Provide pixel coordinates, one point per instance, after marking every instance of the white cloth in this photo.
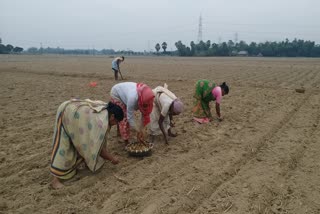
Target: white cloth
(127, 93)
(161, 105)
(115, 64)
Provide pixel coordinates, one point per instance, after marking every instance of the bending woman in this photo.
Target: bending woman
(131, 96)
(206, 91)
(165, 106)
(81, 135)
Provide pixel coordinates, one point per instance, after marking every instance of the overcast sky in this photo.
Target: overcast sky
(140, 24)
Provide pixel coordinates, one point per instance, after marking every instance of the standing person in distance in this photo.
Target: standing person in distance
(116, 66)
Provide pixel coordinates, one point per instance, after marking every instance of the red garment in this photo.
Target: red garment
(145, 101)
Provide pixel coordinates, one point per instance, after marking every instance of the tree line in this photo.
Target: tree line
(8, 49)
(286, 48)
(58, 50)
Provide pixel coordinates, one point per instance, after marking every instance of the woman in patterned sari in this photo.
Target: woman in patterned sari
(206, 91)
(80, 135)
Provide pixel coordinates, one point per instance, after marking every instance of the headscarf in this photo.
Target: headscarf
(177, 106)
(145, 101)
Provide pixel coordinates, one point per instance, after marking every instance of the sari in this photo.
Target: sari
(161, 106)
(202, 97)
(80, 134)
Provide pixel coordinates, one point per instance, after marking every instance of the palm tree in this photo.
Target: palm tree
(164, 46)
(157, 47)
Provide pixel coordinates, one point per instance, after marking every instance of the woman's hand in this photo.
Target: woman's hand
(172, 123)
(140, 136)
(107, 156)
(114, 160)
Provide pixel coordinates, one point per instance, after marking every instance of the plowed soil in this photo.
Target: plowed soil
(263, 158)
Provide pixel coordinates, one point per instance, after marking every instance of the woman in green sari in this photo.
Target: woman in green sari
(206, 91)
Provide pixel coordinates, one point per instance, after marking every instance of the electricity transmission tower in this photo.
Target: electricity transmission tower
(200, 30)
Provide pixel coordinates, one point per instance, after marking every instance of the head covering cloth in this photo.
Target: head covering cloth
(145, 101)
(177, 106)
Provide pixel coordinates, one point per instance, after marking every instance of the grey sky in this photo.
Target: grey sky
(140, 24)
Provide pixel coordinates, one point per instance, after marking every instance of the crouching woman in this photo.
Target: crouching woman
(80, 134)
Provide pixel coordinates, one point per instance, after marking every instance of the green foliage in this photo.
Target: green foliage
(17, 49)
(32, 50)
(295, 48)
(286, 48)
(164, 46)
(58, 50)
(157, 47)
(182, 49)
(3, 49)
(9, 48)
(6, 49)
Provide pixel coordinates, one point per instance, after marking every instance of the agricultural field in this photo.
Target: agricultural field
(263, 158)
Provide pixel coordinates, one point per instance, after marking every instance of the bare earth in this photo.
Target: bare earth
(263, 158)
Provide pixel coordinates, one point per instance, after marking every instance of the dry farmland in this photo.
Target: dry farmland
(263, 158)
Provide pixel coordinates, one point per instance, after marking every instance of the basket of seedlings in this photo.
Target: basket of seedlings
(139, 148)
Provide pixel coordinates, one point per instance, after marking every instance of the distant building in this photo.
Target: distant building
(242, 53)
(234, 53)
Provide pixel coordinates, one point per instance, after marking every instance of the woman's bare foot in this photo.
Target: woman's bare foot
(82, 165)
(56, 184)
